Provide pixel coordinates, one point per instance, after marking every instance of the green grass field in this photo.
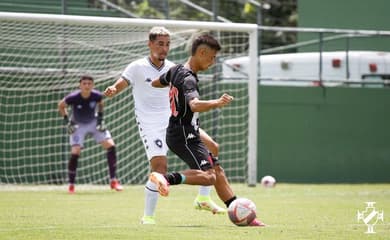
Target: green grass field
(293, 211)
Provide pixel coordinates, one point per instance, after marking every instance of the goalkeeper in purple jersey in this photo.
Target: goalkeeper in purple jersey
(86, 121)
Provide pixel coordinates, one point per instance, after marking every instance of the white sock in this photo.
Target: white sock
(204, 191)
(151, 197)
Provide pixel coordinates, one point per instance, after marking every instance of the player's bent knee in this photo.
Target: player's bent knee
(159, 164)
(214, 148)
(219, 170)
(209, 181)
(210, 178)
(76, 150)
(108, 143)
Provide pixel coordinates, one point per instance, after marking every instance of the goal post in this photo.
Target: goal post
(42, 57)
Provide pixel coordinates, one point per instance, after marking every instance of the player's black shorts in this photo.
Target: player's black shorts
(185, 142)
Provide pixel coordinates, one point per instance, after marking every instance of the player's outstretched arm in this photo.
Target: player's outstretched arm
(118, 86)
(157, 84)
(198, 105)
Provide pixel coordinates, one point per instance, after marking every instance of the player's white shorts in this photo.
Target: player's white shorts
(153, 139)
(85, 129)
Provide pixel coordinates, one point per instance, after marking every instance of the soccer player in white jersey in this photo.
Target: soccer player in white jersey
(152, 113)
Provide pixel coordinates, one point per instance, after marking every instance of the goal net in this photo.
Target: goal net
(42, 58)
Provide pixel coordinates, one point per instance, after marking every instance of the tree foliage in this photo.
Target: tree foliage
(280, 13)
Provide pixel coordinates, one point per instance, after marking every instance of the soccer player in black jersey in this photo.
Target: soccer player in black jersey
(183, 130)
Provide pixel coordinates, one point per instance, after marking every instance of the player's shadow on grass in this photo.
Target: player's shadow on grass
(191, 226)
(89, 193)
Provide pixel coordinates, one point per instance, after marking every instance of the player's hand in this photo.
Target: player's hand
(110, 91)
(72, 127)
(225, 99)
(100, 126)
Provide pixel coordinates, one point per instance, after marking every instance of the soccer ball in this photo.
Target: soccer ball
(268, 181)
(242, 211)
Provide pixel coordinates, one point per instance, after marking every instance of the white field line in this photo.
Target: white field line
(39, 188)
(61, 227)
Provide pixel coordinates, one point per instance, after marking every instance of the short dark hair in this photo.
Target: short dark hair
(158, 31)
(86, 77)
(205, 39)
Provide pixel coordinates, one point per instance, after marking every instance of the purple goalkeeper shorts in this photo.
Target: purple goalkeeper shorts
(86, 129)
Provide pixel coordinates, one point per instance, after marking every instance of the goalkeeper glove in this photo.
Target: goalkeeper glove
(70, 125)
(100, 123)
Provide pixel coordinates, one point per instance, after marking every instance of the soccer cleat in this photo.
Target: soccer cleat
(257, 223)
(116, 185)
(161, 183)
(148, 220)
(71, 189)
(208, 205)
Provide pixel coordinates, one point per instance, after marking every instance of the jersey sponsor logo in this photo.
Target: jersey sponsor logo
(191, 136)
(203, 162)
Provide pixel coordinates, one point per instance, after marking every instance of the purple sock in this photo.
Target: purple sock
(111, 159)
(72, 166)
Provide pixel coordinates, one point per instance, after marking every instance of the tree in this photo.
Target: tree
(281, 13)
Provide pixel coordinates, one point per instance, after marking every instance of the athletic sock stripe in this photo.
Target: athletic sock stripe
(151, 189)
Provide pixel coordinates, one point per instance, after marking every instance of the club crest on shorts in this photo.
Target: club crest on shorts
(159, 143)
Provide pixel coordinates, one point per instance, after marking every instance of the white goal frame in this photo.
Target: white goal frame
(251, 29)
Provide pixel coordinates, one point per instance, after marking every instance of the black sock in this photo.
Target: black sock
(72, 166)
(111, 159)
(227, 203)
(174, 178)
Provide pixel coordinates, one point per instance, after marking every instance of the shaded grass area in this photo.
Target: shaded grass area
(293, 211)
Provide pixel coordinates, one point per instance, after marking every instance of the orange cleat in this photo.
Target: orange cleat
(71, 189)
(161, 182)
(116, 185)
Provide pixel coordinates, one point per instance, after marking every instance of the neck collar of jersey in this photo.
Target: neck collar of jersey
(155, 66)
(189, 71)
